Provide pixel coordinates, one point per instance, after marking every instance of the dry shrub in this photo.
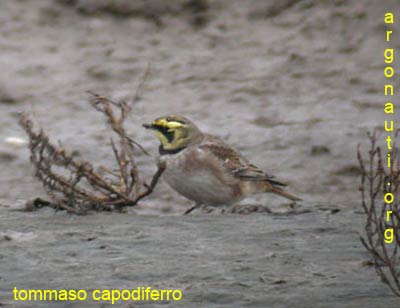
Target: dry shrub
(77, 185)
(374, 178)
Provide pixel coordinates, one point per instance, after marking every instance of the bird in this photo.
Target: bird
(206, 170)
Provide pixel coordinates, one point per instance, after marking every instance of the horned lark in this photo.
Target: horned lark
(205, 169)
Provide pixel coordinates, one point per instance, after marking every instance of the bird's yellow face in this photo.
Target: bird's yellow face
(174, 132)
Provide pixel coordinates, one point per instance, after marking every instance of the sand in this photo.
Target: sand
(294, 89)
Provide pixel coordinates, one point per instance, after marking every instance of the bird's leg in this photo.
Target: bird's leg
(197, 205)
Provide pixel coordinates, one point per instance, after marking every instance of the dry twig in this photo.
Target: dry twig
(75, 185)
(374, 179)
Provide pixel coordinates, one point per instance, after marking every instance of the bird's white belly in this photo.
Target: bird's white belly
(197, 184)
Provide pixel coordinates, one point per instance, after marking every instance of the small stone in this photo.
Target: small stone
(7, 157)
(319, 150)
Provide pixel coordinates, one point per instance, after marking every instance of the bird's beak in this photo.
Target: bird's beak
(156, 124)
(148, 126)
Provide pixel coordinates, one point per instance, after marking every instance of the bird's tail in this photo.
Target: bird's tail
(280, 192)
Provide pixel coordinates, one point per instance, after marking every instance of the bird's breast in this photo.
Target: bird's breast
(194, 176)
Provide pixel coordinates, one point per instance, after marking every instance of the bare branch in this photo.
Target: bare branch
(76, 186)
(373, 186)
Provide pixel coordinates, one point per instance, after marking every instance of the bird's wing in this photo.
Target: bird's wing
(236, 164)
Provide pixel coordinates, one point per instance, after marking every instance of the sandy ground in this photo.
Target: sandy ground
(294, 90)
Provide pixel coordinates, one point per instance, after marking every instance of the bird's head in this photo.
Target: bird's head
(175, 132)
